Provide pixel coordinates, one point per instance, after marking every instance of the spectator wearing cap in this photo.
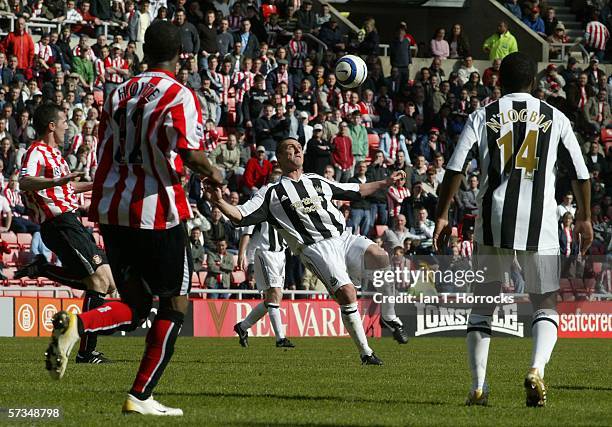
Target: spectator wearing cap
(593, 72)
(257, 171)
(501, 43)
(304, 130)
(466, 69)
(558, 36)
(535, 22)
(306, 19)
(20, 44)
(318, 152)
(596, 36)
(552, 83)
(596, 112)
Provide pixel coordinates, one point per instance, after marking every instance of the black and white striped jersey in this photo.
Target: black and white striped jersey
(265, 237)
(301, 210)
(520, 142)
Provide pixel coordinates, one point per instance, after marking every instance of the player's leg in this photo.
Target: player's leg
(376, 258)
(542, 273)
(478, 336)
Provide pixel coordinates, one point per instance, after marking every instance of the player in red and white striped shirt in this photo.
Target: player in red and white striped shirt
(51, 195)
(596, 37)
(147, 122)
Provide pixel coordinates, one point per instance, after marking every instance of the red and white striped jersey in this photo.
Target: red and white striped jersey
(285, 99)
(145, 121)
(44, 52)
(13, 197)
(76, 52)
(226, 84)
(211, 140)
(347, 108)
(242, 81)
(395, 197)
(79, 139)
(100, 71)
(467, 248)
(597, 35)
(298, 51)
(45, 161)
(114, 63)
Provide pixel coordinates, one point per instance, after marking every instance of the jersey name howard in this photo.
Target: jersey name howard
(496, 122)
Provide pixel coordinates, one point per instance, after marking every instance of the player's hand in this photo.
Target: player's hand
(583, 233)
(73, 176)
(215, 191)
(441, 234)
(243, 263)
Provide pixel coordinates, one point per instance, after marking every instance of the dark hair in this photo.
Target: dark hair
(517, 72)
(44, 115)
(162, 42)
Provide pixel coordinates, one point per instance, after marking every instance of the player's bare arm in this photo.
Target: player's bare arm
(372, 187)
(82, 187)
(228, 209)
(37, 183)
(199, 163)
(449, 187)
(583, 229)
(243, 262)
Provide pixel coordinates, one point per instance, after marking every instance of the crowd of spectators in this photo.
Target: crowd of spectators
(260, 76)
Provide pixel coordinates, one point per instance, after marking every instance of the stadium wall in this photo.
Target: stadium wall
(31, 317)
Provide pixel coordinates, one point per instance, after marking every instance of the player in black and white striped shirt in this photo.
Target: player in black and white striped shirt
(520, 142)
(300, 207)
(262, 246)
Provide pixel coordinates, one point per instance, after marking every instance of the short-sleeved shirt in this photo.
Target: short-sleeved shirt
(42, 160)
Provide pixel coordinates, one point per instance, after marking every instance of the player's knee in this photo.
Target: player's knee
(101, 280)
(544, 301)
(274, 295)
(346, 295)
(376, 257)
(178, 303)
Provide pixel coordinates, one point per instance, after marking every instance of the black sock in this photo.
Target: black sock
(91, 301)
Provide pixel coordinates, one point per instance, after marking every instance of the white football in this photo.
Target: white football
(351, 71)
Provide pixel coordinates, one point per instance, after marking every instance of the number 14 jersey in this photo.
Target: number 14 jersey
(521, 143)
(145, 121)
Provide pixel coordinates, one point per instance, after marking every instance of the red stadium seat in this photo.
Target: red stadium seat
(24, 240)
(195, 280)
(203, 275)
(10, 238)
(373, 141)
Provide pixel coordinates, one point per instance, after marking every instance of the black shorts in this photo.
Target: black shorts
(160, 258)
(73, 244)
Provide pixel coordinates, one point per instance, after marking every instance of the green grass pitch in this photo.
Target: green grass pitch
(321, 382)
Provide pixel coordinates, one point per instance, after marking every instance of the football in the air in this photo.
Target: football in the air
(351, 71)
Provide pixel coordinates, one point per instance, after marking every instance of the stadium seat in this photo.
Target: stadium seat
(24, 240)
(195, 280)
(203, 275)
(373, 141)
(10, 238)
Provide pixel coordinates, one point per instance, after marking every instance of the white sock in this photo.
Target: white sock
(275, 320)
(387, 309)
(478, 340)
(544, 331)
(352, 322)
(257, 313)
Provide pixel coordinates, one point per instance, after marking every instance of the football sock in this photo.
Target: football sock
(544, 329)
(275, 320)
(257, 313)
(352, 322)
(478, 340)
(91, 301)
(158, 351)
(387, 309)
(107, 317)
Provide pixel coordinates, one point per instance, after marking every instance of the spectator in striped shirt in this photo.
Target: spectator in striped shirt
(396, 195)
(298, 52)
(596, 36)
(116, 70)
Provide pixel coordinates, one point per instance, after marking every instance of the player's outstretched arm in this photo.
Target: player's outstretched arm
(216, 196)
(372, 187)
(198, 162)
(583, 230)
(449, 187)
(37, 183)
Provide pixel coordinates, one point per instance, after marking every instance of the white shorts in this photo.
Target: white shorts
(269, 269)
(541, 269)
(337, 261)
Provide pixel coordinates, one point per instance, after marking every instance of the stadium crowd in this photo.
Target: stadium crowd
(264, 71)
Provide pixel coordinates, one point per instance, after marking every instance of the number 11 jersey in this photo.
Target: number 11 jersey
(521, 143)
(145, 121)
